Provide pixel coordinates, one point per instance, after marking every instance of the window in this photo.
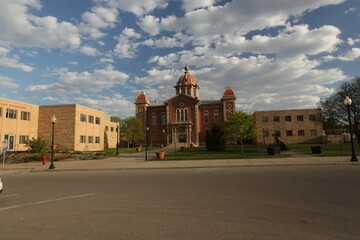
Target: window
(82, 139)
(10, 113)
(106, 128)
(91, 119)
(97, 139)
(23, 139)
(289, 133)
(313, 132)
(265, 133)
(300, 117)
(265, 119)
(181, 114)
(301, 133)
(25, 116)
(216, 116)
(112, 129)
(0, 112)
(153, 119)
(83, 117)
(97, 120)
(153, 136)
(163, 119)
(288, 118)
(276, 118)
(206, 117)
(90, 139)
(277, 133)
(312, 117)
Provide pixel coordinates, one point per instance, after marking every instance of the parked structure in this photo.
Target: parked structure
(184, 118)
(78, 128)
(291, 126)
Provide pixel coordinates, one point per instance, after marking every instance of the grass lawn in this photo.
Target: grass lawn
(231, 152)
(343, 149)
(125, 150)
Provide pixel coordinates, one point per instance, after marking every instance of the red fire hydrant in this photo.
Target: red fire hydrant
(44, 160)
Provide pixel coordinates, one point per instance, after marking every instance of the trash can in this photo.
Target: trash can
(316, 149)
(273, 150)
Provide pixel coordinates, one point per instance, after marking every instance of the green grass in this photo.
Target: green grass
(125, 150)
(343, 149)
(231, 152)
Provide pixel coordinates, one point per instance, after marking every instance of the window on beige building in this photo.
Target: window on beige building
(277, 133)
(25, 116)
(300, 117)
(301, 132)
(106, 128)
(97, 139)
(90, 139)
(288, 118)
(91, 119)
(11, 113)
(97, 120)
(312, 117)
(313, 132)
(265, 119)
(83, 117)
(289, 133)
(112, 129)
(0, 112)
(82, 139)
(23, 139)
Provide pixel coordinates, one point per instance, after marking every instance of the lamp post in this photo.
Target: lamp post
(117, 138)
(53, 121)
(348, 102)
(146, 147)
(164, 137)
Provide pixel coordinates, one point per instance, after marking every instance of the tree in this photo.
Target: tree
(333, 108)
(115, 119)
(240, 126)
(132, 130)
(215, 138)
(36, 145)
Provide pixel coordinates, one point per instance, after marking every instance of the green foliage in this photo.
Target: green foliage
(36, 145)
(215, 138)
(115, 119)
(240, 126)
(132, 130)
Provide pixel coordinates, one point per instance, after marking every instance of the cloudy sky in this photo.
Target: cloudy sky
(274, 54)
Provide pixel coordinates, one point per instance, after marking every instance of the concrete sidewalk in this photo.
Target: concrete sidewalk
(137, 161)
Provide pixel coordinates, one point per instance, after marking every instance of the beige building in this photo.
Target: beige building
(18, 123)
(291, 126)
(78, 128)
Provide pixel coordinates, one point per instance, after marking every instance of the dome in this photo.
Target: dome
(142, 98)
(228, 93)
(187, 78)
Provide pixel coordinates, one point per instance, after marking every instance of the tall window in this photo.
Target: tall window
(0, 112)
(25, 116)
(206, 117)
(216, 116)
(97, 139)
(23, 139)
(83, 117)
(91, 119)
(97, 120)
(163, 119)
(300, 117)
(153, 119)
(82, 139)
(10, 113)
(265, 119)
(181, 114)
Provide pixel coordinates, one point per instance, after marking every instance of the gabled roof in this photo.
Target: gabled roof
(178, 96)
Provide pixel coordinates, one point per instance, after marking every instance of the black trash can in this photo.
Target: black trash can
(273, 150)
(316, 149)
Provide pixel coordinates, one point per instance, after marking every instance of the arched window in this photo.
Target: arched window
(206, 116)
(185, 114)
(153, 119)
(181, 114)
(163, 118)
(216, 116)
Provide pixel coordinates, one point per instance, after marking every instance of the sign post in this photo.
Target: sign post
(5, 145)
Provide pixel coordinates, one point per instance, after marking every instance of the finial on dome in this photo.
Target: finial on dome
(186, 68)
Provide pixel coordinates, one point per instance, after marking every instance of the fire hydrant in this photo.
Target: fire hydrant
(44, 160)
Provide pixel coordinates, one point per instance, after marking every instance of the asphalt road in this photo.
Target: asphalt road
(298, 202)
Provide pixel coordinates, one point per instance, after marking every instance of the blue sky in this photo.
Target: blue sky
(274, 54)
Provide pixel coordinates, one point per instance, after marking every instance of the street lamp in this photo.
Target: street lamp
(117, 138)
(53, 121)
(348, 102)
(164, 137)
(146, 148)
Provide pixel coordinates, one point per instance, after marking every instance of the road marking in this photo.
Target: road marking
(46, 201)
(10, 195)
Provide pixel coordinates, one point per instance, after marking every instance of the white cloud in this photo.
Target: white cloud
(189, 5)
(126, 48)
(138, 7)
(7, 82)
(350, 10)
(89, 51)
(350, 55)
(19, 28)
(12, 62)
(75, 82)
(352, 41)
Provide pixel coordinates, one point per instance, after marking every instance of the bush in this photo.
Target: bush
(215, 138)
(36, 145)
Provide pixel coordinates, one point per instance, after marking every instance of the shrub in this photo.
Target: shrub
(215, 138)
(36, 145)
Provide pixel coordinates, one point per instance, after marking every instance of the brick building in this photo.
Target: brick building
(291, 126)
(77, 128)
(184, 118)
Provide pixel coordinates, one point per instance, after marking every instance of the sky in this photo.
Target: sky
(274, 54)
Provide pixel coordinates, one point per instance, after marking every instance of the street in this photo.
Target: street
(276, 202)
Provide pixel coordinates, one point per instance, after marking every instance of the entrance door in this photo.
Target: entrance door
(182, 135)
(11, 141)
